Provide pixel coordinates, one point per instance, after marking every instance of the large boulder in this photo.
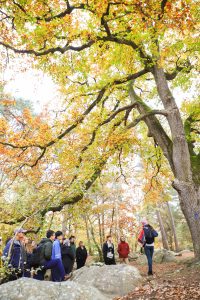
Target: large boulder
(111, 281)
(163, 255)
(31, 289)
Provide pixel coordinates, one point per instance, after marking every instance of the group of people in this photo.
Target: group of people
(146, 239)
(57, 253)
(24, 258)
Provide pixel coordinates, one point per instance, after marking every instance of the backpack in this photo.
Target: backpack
(149, 234)
(37, 255)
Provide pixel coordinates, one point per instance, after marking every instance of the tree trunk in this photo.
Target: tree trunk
(189, 196)
(117, 219)
(103, 225)
(88, 236)
(173, 228)
(95, 242)
(112, 218)
(100, 229)
(188, 190)
(162, 229)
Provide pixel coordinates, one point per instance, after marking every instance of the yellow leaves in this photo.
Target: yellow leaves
(7, 102)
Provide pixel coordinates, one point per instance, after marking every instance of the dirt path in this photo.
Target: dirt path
(171, 281)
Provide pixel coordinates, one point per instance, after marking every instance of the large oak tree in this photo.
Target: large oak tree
(102, 53)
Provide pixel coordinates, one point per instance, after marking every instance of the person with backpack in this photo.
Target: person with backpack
(123, 250)
(109, 251)
(146, 238)
(81, 255)
(42, 258)
(56, 254)
(14, 255)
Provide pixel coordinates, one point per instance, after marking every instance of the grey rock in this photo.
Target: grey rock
(111, 281)
(31, 289)
(98, 264)
(163, 255)
(133, 256)
(142, 259)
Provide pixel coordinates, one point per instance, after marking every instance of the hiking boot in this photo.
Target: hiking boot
(150, 273)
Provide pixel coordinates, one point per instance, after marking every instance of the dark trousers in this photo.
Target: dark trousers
(57, 270)
(80, 263)
(149, 250)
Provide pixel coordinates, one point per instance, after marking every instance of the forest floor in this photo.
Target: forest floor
(171, 281)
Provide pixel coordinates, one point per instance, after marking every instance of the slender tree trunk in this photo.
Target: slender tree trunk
(51, 220)
(112, 219)
(88, 236)
(64, 222)
(162, 229)
(103, 225)
(100, 230)
(117, 219)
(95, 242)
(173, 228)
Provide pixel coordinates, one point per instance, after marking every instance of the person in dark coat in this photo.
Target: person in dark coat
(81, 255)
(109, 251)
(15, 255)
(29, 247)
(67, 257)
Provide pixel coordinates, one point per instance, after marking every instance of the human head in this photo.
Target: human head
(72, 239)
(81, 244)
(109, 238)
(59, 235)
(144, 222)
(29, 246)
(122, 238)
(19, 233)
(66, 242)
(25, 240)
(50, 235)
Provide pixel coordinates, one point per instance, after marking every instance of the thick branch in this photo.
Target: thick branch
(155, 128)
(86, 112)
(148, 114)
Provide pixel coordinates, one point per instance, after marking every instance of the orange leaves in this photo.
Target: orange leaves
(7, 102)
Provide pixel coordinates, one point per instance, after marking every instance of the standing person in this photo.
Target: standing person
(146, 238)
(67, 257)
(81, 255)
(29, 247)
(109, 251)
(15, 255)
(44, 250)
(123, 250)
(56, 254)
(72, 240)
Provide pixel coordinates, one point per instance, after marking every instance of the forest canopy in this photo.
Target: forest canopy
(128, 72)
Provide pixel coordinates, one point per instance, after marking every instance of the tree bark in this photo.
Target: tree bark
(173, 228)
(162, 229)
(88, 236)
(190, 204)
(188, 190)
(95, 242)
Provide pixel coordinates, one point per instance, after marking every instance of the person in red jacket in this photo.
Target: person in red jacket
(123, 250)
